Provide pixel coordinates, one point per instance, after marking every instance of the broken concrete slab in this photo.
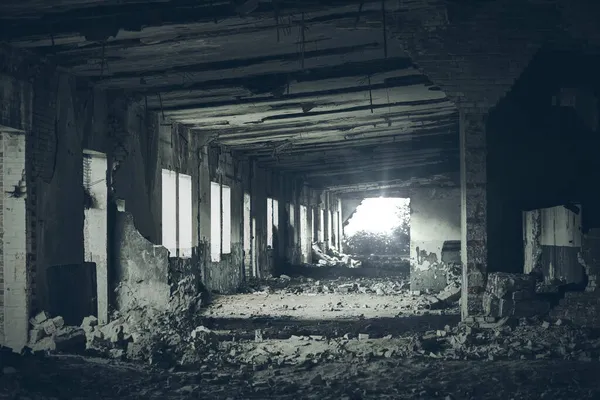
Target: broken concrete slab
(39, 319)
(497, 307)
(89, 323)
(501, 284)
(450, 294)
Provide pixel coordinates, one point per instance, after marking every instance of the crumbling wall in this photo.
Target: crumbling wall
(532, 232)
(61, 116)
(134, 163)
(553, 244)
(590, 249)
(140, 268)
(434, 219)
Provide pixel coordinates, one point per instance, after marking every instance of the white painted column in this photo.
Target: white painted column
(14, 239)
(95, 227)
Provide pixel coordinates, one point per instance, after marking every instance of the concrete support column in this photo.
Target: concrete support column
(473, 171)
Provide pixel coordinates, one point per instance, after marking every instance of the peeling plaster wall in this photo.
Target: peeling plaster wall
(141, 276)
(434, 219)
(553, 241)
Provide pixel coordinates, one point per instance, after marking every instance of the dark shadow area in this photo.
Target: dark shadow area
(542, 142)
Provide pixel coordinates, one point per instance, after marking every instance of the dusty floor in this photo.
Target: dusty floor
(343, 338)
(77, 378)
(329, 307)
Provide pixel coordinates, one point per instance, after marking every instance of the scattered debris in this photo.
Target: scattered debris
(512, 295)
(335, 258)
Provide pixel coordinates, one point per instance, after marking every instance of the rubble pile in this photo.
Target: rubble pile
(505, 339)
(163, 337)
(51, 334)
(333, 259)
(512, 295)
(510, 338)
(285, 284)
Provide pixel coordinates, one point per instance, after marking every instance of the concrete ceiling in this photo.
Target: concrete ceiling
(312, 87)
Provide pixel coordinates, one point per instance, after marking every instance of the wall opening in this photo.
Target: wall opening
(292, 216)
(304, 234)
(215, 222)
(272, 222)
(226, 215)
(329, 228)
(169, 210)
(247, 235)
(184, 220)
(177, 213)
(269, 222)
(95, 225)
(380, 226)
(321, 232)
(220, 221)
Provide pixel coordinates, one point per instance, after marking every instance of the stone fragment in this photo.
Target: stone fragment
(89, 323)
(36, 334)
(559, 322)
(258, 335)
(135, 351)
(113, 331)
(49, 327)
(39, 319)
(450, 294)
(501, 284)
(363, 336)
(45, 344)
(285, 277)
(545, 324)
(117, 354)
(59, 322)
(494, 306)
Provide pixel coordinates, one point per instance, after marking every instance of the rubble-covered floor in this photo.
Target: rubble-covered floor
(316, 338)
(78, 378)
(285, 306)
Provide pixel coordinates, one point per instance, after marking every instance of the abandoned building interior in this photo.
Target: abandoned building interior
(179, 179)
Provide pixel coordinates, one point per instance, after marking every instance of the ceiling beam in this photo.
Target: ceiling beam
(260, 83)
(103, 21)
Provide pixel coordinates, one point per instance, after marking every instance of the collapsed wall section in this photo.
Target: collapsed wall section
(434, 230)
